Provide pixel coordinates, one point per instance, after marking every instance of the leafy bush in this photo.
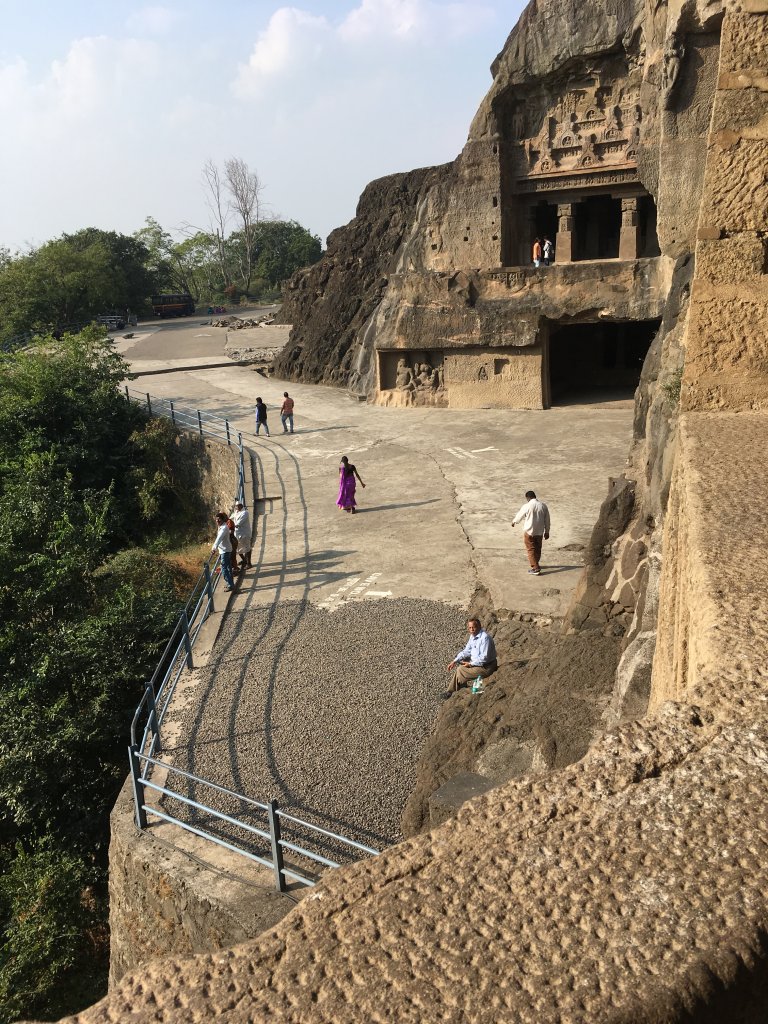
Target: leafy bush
(82, 622)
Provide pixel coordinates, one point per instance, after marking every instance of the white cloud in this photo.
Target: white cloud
(152, 20)
(291, 40)
(295, 40)
(413, 19)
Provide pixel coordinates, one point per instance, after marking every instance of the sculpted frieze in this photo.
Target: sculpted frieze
(591, 127)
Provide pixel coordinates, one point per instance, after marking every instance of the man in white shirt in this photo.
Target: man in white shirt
(223, 545)
(478, 658)
(242, 522)
(534, 516)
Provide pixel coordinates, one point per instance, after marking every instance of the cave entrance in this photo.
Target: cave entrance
(597, 228)
(595, 362)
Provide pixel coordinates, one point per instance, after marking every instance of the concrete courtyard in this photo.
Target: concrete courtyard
(442, 486)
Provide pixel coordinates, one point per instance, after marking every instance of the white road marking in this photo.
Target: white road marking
(460, 453)
(348, 591)
(378, 593)
(491, 449)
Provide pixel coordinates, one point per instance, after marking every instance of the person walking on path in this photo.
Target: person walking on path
(536, 252)
(261, 416)
(535, 518)
(347, 485)
(286, 412)
(223, 545)
(477, 658)
(242, 522)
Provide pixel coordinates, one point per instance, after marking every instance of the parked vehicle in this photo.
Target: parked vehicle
(173, 305)
(112, 321)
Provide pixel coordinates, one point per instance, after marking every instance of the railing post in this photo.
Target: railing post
(153, 722)
(138, 788)
(187, 638)
(226, 424)
(127, 395)
(209, 588)
(149, 404)
(200, 423)
(173, 417)
(277, 850)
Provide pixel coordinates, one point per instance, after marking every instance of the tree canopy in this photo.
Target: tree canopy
(73, 279)
(86, 604)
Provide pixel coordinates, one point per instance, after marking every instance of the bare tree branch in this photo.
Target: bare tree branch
(219, 211)
(244, 190)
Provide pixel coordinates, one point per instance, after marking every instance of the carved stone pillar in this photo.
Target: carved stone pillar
(629, 242)
(564, 240)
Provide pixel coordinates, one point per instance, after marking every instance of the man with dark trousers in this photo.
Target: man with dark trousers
(534, 516)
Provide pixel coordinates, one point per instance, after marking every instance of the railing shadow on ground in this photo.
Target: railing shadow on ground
(146, 744)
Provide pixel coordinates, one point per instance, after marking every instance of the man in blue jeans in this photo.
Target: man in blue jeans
(286, 412)
(261, 417)
(223, 545)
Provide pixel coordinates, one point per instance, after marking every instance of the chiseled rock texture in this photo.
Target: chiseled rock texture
(630, 887)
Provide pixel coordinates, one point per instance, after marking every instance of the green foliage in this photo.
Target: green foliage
(282, 247)
(73, 279)
(52, 908)
(82, 622)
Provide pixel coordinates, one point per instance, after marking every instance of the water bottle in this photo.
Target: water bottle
(477, 686)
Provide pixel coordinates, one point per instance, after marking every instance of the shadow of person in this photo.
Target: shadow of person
(386, 508)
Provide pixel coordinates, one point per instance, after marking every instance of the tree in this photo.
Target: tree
(217, 206)
(82, 621)
(245, 191)
(282, 247)
(73, 279)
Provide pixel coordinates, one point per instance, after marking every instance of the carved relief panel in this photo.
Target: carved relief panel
(593, 125)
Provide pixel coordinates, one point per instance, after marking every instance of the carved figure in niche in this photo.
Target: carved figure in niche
(588, 155)
(404, 380)
(482, 373)
(611, 130)
(673, 57)
(518, 124)
(633, 143)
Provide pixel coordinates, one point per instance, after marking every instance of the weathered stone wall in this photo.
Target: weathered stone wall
(170, 894)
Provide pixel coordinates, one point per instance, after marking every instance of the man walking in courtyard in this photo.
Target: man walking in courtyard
(534, 516)
(286, 412)
(478, 658)
(261, 417)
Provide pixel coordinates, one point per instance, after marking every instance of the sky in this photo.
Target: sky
(110, 108)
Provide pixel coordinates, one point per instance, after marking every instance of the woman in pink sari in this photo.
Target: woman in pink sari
(347, 485)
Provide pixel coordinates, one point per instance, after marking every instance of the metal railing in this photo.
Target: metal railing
(193, 420)
(159, 691)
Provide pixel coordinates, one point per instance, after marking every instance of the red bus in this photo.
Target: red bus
(173, 305)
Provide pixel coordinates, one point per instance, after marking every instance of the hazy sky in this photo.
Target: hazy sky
(110, 109)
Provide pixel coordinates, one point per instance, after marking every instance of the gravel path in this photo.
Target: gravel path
(325, 712)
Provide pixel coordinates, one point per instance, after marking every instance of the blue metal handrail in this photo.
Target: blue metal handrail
(159, 691)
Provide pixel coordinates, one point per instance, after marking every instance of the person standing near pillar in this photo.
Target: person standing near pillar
(536, 252)
(534, 516)
(547, 251)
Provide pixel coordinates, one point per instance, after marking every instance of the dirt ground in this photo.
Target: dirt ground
(540, 710)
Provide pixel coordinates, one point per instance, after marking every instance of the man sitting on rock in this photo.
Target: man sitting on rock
(477, 659)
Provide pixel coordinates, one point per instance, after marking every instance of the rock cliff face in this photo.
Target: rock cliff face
(630, 886)
(598, 110)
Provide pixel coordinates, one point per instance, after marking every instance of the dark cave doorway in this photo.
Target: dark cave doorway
(596, 362)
